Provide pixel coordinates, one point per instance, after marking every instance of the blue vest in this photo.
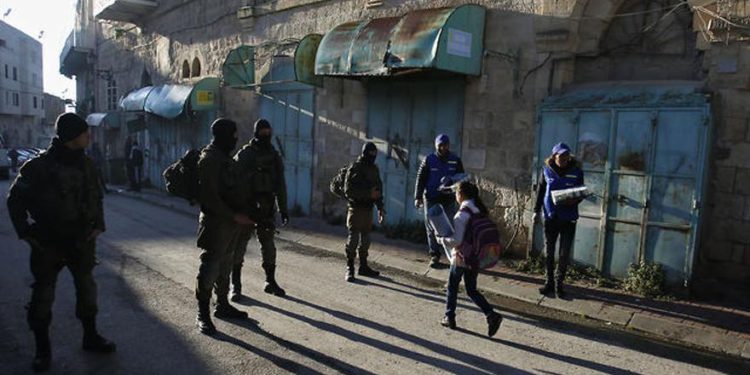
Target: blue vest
(438, 170)
(556, 182)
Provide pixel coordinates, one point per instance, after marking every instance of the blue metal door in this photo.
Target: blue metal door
(291, 113)
(403, 120)
(645, 167)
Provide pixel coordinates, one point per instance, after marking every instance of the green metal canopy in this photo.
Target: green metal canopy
(448, 39)
(205, 95)
(168, 101)
(304, 60)
(238, 70)
(136, 99)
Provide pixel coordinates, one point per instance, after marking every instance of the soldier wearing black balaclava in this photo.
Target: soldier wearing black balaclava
(59, 191)
(220, 225)
(363, 190)
(260, 170)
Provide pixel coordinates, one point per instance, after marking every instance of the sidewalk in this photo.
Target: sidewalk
(709, 326)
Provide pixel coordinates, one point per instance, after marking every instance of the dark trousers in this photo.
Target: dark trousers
(217, 259)
(47, 260)
(359, 222)
(267, 246)
(470, 282)
(566, 231)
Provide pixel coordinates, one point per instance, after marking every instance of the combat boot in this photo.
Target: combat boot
(43, 356)
(271, 287)
(349, 271)
(236, 293)
(203, 320)
(92, 341)
(226, 311)
(365, 270)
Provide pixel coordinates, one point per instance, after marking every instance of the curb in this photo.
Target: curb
(715, 340)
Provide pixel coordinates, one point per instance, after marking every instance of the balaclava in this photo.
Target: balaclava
(369, 152)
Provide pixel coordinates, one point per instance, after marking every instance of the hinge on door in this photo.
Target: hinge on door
(696, 204)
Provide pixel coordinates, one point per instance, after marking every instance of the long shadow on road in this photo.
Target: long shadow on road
(478, 364)
(294, 367)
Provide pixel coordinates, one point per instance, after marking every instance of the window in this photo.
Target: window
(35, 104)
(34, 80)
(15, 74)
(111, 95)
(6, 70)
(196, 70)
(185, 69)
(16, 99)
(3, 43)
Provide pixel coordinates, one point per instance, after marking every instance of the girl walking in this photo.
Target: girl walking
(467, 196)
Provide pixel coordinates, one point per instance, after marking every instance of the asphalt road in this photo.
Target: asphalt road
(148, 264)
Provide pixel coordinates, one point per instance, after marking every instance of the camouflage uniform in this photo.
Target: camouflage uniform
(260, 169)
(362, 178)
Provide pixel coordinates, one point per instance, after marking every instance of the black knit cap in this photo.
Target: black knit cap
(223, 127)
(69, 126)
(260, 125)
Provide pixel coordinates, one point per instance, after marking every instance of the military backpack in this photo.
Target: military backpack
(181, 178)
(338, 182)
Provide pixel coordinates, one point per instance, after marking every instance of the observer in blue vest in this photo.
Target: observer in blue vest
(436, 171)
(560, 171)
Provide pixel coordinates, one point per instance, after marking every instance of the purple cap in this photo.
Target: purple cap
(442, 139)
(560, 148)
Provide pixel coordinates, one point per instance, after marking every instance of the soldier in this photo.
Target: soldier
(261, 171)
(363, 189)
(219, 228)
(59, 190)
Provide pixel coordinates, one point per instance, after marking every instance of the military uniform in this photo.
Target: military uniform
(261, 172)
(362, 178)
(59, 191)
(218, 233)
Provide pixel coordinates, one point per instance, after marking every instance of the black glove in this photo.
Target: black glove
(284, 218)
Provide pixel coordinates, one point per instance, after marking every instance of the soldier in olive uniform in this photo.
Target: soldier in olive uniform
(220, 226)
(261, 172)
(363, 189)
(59, 191)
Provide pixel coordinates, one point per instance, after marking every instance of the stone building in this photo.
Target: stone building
(21, 80)
(649, 94)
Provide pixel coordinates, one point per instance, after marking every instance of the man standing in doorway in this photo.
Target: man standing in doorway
(262, 177)
(220, 226)
(436, 171)
(136, 161)
(59, 190)
(363, 189)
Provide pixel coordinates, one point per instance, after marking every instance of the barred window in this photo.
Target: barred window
(112, 95)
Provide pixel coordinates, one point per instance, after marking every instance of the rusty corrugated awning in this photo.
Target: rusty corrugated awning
(449, 39)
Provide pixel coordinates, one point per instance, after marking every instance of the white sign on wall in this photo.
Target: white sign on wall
(459, 43)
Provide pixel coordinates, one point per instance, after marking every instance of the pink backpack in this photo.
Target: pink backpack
(481, 247)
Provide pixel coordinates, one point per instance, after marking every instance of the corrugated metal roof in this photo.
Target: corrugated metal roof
(136, 99)
(168, 101)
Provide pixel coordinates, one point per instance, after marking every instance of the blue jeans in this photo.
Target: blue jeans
(436, 249)
(470, 282)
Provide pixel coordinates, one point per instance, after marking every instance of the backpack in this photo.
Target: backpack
(481, 247)
(181, 178)
(336, 186)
